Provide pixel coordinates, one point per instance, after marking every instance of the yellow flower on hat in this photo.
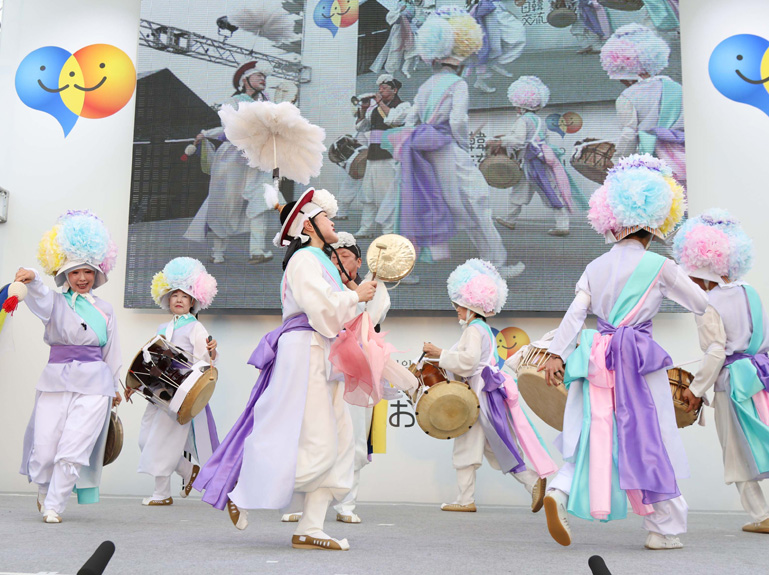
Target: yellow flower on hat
(49, 252)
(677, 209)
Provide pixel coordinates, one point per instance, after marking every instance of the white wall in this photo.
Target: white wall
(46, 174)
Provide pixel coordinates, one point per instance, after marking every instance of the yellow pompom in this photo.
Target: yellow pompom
(160, 287)
(468, 36)
(677, 209)
(49, 252)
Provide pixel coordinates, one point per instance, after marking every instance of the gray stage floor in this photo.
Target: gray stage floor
(191, 538)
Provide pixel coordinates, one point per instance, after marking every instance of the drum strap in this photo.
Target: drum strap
(749, 382)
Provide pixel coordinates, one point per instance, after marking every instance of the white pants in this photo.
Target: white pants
(668, 518)
(379, 191)
(67, 426)
(257, 245)
(522, 194)
(361, 426)
(163, 484)
(753, 500)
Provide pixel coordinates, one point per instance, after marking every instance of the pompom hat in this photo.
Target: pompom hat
(477, 286)
(529, 93)
(187, 275)
(79, 239)
(449, 35)
(634, 50)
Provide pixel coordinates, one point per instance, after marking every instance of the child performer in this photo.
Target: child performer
(65, 440)
(734, 334)
(618, 373)
(477, 291)
(183, 288)
(295, 435)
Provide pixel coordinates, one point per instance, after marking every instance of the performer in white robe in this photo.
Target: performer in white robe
(650, 109)
(477, 291)
(621, 376)
(183, 288)
(734, 336)
(592, 27)
(235, 203)
(442, 189)
(379, 191)
(399, 52)
(65, 440)
(295, 439)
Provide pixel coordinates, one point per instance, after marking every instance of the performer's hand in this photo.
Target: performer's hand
(117, 399)
(129, 391)
(431, 350)
(554, 370)
(199, 138)
(211, 347)
(692, 401)
(366, 291)
(24, 276)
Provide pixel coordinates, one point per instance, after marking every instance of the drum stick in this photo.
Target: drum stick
(211, 371)
(380, 247)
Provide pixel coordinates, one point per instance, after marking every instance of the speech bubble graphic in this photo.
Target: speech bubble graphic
(335, 14)
(570, 122)
(553, 122)
(38, 84)
(108, 80)
(739, 69)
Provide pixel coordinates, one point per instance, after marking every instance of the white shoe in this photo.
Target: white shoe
(500, 70)
(510, 272)
(217, 259)
(559, 232)
(656, 542)
(345, 518)
(291, 517)
(50, 516)
(558, 517)
(242, 520)
(481, 85)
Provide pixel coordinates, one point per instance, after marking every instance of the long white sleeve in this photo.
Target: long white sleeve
(679, 287)
(111, 350)
(39, 298)
(327, 310)
(458, 119)
(710, 329)
(566, 337)
(517, 138)
(627, 143)
(463, 360)
(397, 116)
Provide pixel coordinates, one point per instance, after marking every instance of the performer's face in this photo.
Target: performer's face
(326, 227)
(255, 83)
(179, 302)
(461, 312)
(350, 261)
(387, 92)
(81, 280)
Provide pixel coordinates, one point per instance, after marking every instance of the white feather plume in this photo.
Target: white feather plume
(326, 201)
(270, 21)
(271, 197)
(298, 143)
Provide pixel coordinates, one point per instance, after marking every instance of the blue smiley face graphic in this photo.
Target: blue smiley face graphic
(40, 86)
(739, 69)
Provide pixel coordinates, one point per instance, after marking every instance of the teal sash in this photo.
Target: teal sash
(178, 323)
(90, 315)
(745, 383)
(662, 15)
(327, 264)
(485, 327)
(670, 112)
(577, 366)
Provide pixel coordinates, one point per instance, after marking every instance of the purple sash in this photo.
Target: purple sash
(220, 474)
(496, 395)
(669, 135)
(643, 461)
(479, 12)
(538, 171)
(424, 215)
(70, 353)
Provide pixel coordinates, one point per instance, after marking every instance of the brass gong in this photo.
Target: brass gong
(391, 257)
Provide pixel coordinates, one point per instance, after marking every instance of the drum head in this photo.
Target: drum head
(680, 379)
(562, 17)
(357, 167)
(626, 5)
(500, 171)
(114, 439)
(447, 410)
(198, 397)
(549, 403)
(391, 257)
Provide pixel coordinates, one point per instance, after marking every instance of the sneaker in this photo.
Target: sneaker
(505, 223)
(501, 71)
(188, 486)
(155, 502)
(761, 527)
(557, 517)
(239, 518)
(538, 494)
(351, 518)
(363, 234)
(481, 85)
(510, 272)
(50, 516)
(469, 508)
(291, 517)
(325, 543)
(558, 232)
(658, 542)
(260, 258)
(217, 259)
